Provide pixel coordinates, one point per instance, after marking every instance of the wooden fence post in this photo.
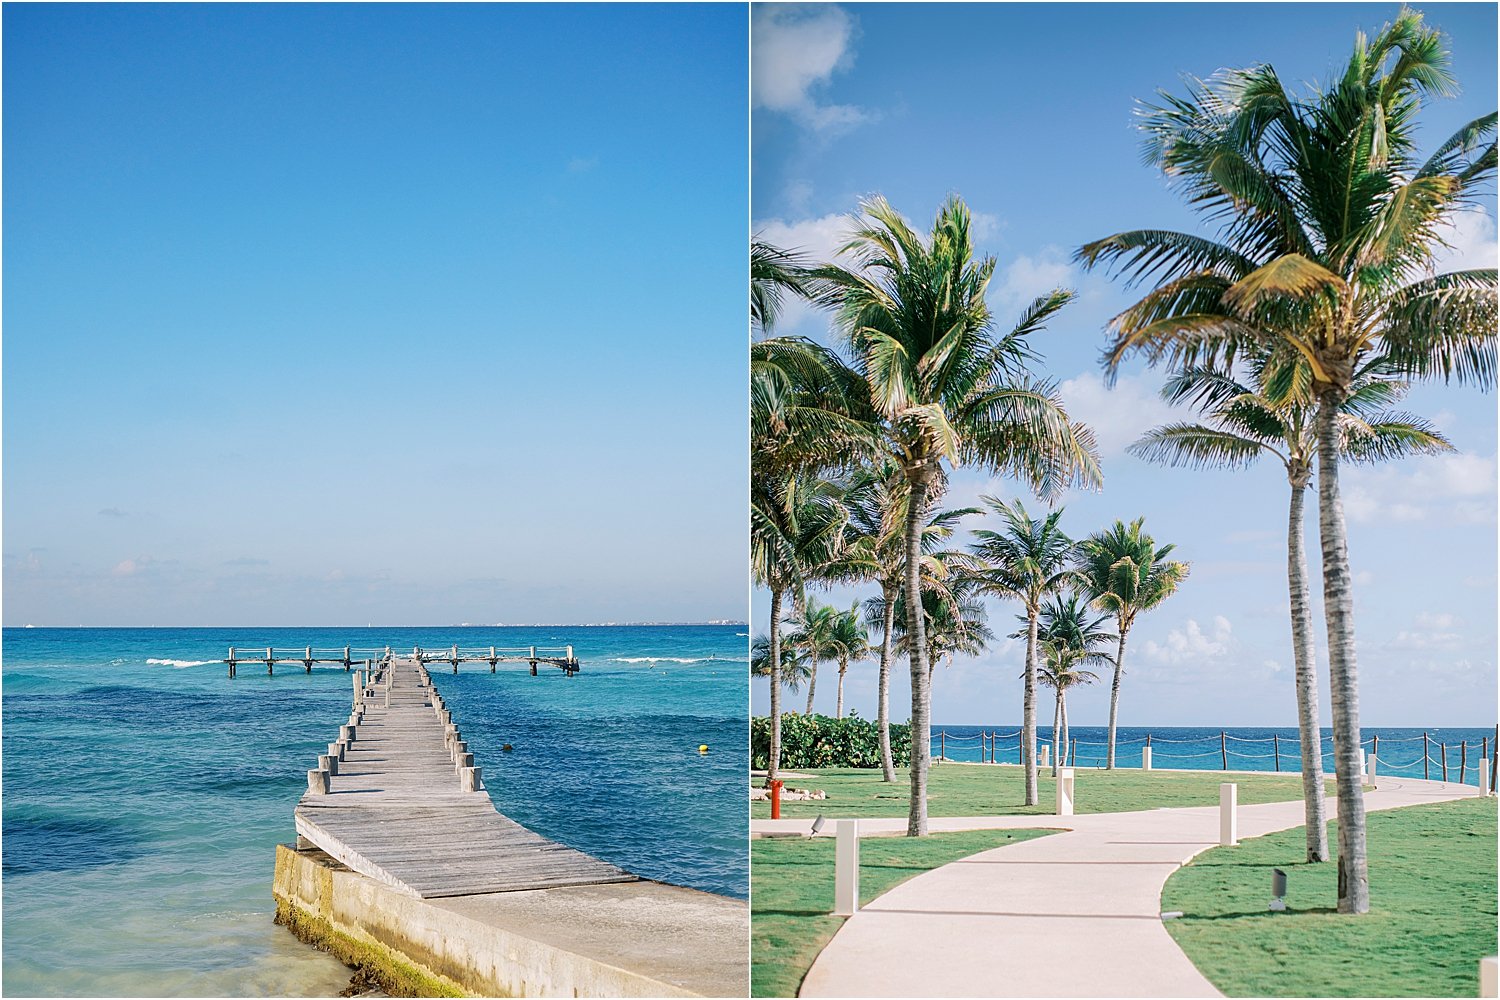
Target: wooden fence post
(1276, 749)
(1443, 749)
(1223, 749)
(1463, 759)
(1426, 756)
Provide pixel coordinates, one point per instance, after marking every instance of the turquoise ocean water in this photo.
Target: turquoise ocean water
(1400, 752)
(144, 791)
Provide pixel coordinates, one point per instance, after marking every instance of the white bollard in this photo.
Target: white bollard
(328, 762)
(846, 869)
(1065, 791)
(1370, 767)
(1489, 977)
(1145, 758)
(317, 782)
(1484, 776)
(469, 779)
(1229, 826)
(1046, 760)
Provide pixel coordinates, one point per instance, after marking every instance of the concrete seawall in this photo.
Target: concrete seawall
(633, 939)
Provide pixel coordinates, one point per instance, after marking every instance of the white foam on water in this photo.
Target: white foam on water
(179, 664)
(678, 659)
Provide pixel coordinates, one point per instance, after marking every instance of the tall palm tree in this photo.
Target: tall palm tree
(1329, 224)
(912, 313)
(876, 551)
(807, 417)
(1125, 574)
(1069, 640)
(1244, 423)
(1026, 560)
(815, 625)
(849, 642)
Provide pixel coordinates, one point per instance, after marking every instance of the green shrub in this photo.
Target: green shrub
(820, 741)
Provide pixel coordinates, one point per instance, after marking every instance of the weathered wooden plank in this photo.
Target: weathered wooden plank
(395, 811)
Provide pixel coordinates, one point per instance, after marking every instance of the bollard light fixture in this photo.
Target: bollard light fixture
(817, 825)
(1278, 889)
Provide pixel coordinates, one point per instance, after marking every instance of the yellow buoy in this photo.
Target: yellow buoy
(703, 748)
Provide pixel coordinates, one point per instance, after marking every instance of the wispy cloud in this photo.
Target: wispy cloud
(113, 512)
(795, 51)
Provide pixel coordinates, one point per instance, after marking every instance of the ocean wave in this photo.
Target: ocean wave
(179, 664)
(679, 659)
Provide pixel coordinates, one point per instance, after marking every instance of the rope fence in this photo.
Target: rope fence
(1439, 759)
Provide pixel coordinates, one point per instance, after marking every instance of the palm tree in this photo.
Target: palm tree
(1069, 639)
(1245, 423)
(1025, 561)
(793, 670)
(849, 641)
(876, 550)
(953, 614)
(806, 417)
(944, 389)
(795, 521)
(774, 273)
(1126, 574)
(815, 624)
(1329, 227)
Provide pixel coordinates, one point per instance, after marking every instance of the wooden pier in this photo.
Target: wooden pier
(348, 657)
(398, 798)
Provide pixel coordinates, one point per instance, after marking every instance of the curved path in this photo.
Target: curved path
(1076, 914)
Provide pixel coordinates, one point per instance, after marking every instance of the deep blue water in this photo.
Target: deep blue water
(143, 801)
(1248, 749)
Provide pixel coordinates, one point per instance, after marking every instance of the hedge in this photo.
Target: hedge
(821, 741)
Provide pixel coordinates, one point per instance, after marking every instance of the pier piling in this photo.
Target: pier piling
(317, 782)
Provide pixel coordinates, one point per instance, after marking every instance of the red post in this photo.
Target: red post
(776, 799)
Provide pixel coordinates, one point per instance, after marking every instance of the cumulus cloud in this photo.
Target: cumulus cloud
(1456, 488)
(132, 567)
(1117, 415)
(1471, 242)
(1027, 277)
(795, 51)
(1191, 644)
(816, 240)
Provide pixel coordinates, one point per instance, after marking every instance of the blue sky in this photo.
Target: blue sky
(401, 314)
(1026, 111)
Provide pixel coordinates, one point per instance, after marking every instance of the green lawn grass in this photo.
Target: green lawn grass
(1432, 910)
(791, 892)
(965, 790)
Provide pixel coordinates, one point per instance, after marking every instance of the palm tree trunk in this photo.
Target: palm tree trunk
(1028, 707)
(812, 685)
(916, 637)
(843, 666)
(1056, 732)
(1062, 705)
(1114, 697)
(774, 763)
(1343, 671)
(883, 711)
(1305, 657)
(799, 608)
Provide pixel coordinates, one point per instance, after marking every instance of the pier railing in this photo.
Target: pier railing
(1436, 758)
(349, 656)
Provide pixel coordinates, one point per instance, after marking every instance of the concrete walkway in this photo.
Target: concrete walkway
(1076, 914)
